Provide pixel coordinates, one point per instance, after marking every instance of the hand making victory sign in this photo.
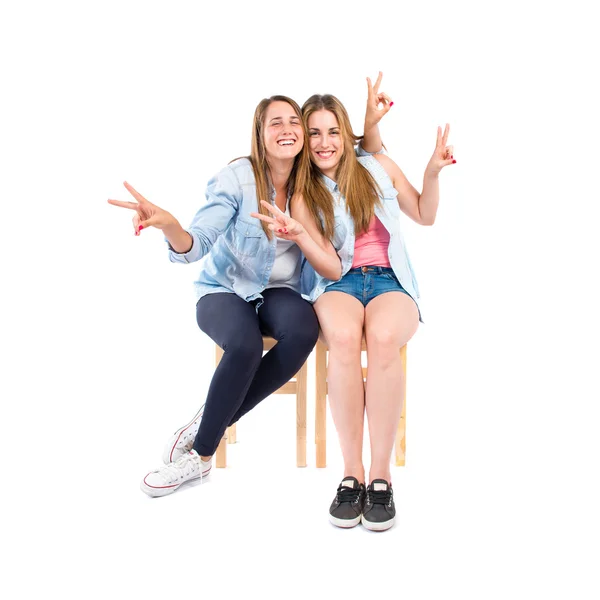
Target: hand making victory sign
(443, 155)
(147, 214)
(374, 99)
(283, 226)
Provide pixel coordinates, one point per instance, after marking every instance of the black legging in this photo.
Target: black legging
(243, 377)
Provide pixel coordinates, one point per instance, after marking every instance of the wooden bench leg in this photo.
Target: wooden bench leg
(222, 454)
(301, 378)
(401, 433)
(231, 434)
(321, 406)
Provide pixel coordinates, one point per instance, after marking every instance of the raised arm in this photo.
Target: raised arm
(421, 208)
(319, 251)
(150, 215)
(223, 195)
(371, 142)
(302, 229)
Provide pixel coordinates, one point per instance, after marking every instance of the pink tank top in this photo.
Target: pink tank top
(371, 247)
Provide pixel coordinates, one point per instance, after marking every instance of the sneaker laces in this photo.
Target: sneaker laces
(183, 467)
(199, 415)
(181, 442)
(347, 494)
(379, 496)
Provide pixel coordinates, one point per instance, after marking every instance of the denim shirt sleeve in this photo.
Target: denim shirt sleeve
(224, 195)
(360, 151)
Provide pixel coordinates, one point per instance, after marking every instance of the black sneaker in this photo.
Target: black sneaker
(347, 506)
(379, 512)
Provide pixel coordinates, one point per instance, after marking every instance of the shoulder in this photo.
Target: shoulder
(234, 177)
(242, 169)
(379, 165)
(297, 205)
(374, 162)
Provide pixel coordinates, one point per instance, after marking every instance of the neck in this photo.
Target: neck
(280, 171)
(331, 173)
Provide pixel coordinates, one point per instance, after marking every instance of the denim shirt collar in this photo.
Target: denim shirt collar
(332, 186)
(273, 194)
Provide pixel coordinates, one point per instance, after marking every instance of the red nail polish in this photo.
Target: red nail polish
(453, 161)
(141, 227)
(391, 104)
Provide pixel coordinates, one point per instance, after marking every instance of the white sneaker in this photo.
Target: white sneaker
(168, 478)
(182, 441)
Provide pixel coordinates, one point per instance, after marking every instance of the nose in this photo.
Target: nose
(324, 141)
(286, 129)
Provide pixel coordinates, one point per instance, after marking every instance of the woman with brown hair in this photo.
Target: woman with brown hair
(249, 284)
(356, 203)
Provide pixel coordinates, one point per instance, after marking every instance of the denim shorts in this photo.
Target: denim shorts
(366, 283)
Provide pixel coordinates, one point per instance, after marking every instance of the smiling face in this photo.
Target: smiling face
(325, 141)
(283, 132)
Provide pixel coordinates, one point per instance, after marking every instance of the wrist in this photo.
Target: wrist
(431, 174)
(370, 125)
(172, 226)
(302, 239)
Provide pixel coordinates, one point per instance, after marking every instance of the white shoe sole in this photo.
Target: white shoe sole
(175, 443)
(157, 492)
(378, 526)
(344, 523)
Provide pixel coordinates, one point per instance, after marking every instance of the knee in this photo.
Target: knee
(306, 339)
(245, 348)
(303, 333)
(345, 343)
(383, 344)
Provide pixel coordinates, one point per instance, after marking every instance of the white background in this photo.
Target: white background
(102, 358)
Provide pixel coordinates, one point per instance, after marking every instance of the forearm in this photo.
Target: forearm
(326, 264)
(371, 141)
(179, 239)
(429, 198)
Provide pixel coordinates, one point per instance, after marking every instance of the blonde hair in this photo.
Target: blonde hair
(355, 182)
(258, 157)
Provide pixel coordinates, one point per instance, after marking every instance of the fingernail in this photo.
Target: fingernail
(452, 156)
(391, 104)
(453, 161)
(285, 231)
(141, 227)
(279, 230)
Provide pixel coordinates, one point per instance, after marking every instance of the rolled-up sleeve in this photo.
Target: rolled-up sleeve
(360, 151)
(223, 195)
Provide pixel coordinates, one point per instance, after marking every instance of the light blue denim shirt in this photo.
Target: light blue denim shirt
(313, 284)
(239, 256)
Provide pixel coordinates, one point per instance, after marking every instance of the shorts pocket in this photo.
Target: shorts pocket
(391, 276)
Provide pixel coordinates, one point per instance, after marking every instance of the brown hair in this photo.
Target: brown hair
(355, 182)
(258, 157)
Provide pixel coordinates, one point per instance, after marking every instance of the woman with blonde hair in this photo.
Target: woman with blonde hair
(249, 284)
(356, 203)
(359, 201)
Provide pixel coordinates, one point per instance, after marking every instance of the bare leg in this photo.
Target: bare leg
(341, 317)
(391, 319)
